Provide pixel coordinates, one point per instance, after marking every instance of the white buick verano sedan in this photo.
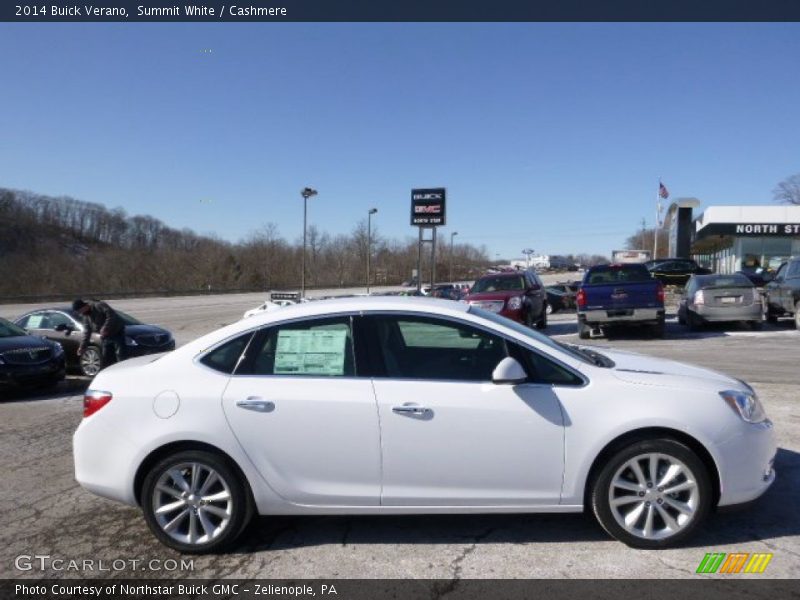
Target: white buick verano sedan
(403, 405)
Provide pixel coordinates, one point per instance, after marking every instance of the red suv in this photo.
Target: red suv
(518, 295)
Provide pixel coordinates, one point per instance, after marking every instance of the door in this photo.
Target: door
(449, 435)
(305, 419)
(70, 338)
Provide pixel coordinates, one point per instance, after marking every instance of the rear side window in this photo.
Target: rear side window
(311, 348)
(224, 358)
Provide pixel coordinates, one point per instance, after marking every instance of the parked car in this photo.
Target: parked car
(267, 306)
(402, 406)
(782, 294)
(620, 295)
(65, 326)
(677, 271)
(28, 360)
(720, 298)
(518, 295)
(557, 300)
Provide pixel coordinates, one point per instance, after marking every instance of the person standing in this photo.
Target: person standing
(99, 317)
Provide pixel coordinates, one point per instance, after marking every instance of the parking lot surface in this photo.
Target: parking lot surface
(46, 513)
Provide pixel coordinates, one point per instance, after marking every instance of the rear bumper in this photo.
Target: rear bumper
(725, 313)
(635, 315)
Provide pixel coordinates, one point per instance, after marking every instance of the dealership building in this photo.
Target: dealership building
(727, 239)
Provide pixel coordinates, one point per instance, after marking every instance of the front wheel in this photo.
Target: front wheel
(91, 361)
(652, 494)
(195, 502)
(542, 322)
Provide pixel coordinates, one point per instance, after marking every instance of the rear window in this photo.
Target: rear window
(723, 281)
(500, 283)
(618, 274)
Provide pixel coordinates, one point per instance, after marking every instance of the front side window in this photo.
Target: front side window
(311, 348)
(56, 318)
(429, 348)
(543, 370)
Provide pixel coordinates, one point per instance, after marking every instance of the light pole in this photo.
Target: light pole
(370, 212)
(306, 193)
(452, 235)
(527, 252)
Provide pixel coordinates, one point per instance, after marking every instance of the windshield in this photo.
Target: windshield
(8, 329)
(500, 283)
(127, 319)
(589, 357)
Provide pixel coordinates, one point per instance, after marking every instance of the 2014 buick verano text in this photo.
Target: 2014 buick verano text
(400, 406)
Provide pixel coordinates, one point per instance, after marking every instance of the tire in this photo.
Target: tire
(528, 319)
(797, 316)
(91, 361)
(542, 322)
(672, 517)
(756, 325)
(660, 329)
(692, 322)
(769, 316)
(584, 330)
(214, 531)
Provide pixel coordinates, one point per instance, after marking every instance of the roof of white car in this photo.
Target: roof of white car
(365, 303)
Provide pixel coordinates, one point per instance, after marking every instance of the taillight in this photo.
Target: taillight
(699, 298)
(580, 298)
(94, 400)
(660, 292)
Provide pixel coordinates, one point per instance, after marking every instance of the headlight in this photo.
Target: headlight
(515, 303)
(129, 341)
(745, 404)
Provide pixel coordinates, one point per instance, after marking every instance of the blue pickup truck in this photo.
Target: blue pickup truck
(619, 294)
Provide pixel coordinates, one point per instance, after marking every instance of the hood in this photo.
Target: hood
(648, 370)
(500, 295)
(134, 330)
(24, 341)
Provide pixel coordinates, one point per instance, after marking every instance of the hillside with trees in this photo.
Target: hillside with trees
(63, 247)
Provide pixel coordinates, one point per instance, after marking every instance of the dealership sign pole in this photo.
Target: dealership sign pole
(427, 212)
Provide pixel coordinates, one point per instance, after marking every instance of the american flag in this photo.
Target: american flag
(662, 191)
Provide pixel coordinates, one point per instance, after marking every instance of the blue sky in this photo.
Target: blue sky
(547, 136)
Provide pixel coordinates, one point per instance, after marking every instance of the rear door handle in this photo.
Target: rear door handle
(410, 409)
(256, 404)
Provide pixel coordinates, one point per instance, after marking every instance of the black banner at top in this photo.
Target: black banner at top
(399, 10)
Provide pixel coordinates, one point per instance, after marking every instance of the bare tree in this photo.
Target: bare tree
(788, 190)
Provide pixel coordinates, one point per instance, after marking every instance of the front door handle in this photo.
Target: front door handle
(256, 404)
(410, 409)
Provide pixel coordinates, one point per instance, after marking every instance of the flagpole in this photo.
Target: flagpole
(658, 219)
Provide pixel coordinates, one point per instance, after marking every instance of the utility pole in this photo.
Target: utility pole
(306, 193)
(371, 212)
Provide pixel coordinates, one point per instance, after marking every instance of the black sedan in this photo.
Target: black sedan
(27, 360)
(676, 271)
(65, 326)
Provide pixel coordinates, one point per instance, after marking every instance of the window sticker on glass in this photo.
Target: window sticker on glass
(314, 352)
(35, 321)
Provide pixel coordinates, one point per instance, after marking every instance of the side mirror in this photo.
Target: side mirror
(509, 371)
(61, 327)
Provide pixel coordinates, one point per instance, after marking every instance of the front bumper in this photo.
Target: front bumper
(33, 375)
(746, 463)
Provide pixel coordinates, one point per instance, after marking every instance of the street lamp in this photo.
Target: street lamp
(306, 193)
(371, 212)
(452, 235)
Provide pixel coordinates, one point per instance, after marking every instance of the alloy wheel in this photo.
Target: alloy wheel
(654, 496)
(91, 361)
(192, 503)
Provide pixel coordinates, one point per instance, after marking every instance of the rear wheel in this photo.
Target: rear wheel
(692, 321)
(195, 502)
(91, 361)
(542, 322)
(652, 494)
(584, 330)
